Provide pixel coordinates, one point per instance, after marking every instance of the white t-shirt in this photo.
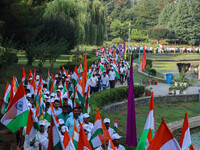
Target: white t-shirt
(122, 70)
(121, 147)
(112, 75)
(43, 139)
(94, 81)
(105, 80)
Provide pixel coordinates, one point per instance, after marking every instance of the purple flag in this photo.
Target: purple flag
(120, 47)
(131, 135)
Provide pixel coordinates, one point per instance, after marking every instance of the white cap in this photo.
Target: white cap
(46, 92)
(106, 120)
(46, 97)
(65, 95)
(86, 127)
(61, 121)
(42, 123)
(30, 78)
(63, 129)
(86, 115)
(67, 79)
(53, 94)
(116, 136)
(56, 76)
(58, 90)
(37, 77)
(28, 95)
(60, 86)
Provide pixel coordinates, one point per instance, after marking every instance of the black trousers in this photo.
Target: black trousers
(112, 83)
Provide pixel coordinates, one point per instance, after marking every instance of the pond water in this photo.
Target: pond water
(195, 137)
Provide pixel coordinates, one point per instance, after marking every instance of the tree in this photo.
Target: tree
(182, 22)
(165, 16)
(147, 14)
(158, 33)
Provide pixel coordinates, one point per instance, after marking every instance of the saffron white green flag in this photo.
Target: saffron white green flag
(16, 115)
(32, 125)
(148, 125)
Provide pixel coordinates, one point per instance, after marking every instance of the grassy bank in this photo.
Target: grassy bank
(170, 112)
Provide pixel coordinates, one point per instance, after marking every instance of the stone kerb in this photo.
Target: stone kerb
(145, 74)
(146, 100)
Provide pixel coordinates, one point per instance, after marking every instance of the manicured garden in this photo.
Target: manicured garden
(169, 111)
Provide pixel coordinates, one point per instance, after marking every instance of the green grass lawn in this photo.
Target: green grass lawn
(170, 112)
(172, 56)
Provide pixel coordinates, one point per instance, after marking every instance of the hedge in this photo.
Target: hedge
(106, 97)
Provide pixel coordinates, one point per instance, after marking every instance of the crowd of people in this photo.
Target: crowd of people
(63, 96)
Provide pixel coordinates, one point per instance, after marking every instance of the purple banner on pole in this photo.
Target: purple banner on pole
(131, 134)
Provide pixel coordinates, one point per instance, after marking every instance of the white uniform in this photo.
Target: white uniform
(43, 139)
(26, 140)
(111, 131)
(121, 147)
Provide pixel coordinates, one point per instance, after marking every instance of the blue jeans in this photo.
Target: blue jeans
(103, 87)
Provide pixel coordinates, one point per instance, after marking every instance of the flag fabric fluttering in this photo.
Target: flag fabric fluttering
(17, 112)
(54, 136)
(99, 133)
(144, 59)
(149, 139)
(148, 125)
(23, 74)
(116, 128)
(32, 125)
(185, 140)
(67, 142)
(84, 78)
(164, 139)
(131, 135)
(83, 143)
(75, 136)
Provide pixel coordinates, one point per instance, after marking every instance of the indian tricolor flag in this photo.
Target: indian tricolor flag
(116, 69)
(99, 132)
(148, 125)
(6, 94)
(75, 136)
(87, 101)
(160, 45)
(149, 139)
(83, 143)
(79, 95)
(116, 127)
(32, 125)
(32, 86)
(17, 113)
(54, 136)
(80, 68)
(23, 75)
(191, 147)
(75, 76)
(53, 88)
(164, 139)
(185, 140)
(67, 142)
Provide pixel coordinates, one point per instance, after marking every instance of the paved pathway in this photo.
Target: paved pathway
(162, 89)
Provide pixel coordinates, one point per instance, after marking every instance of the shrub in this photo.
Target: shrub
(117, 40)
(152, 72)
(149, 62)
(106, 97)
